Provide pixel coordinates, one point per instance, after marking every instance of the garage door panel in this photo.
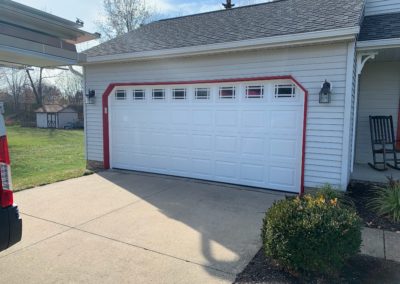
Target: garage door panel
(181, 117)
(226, 144)
(161, 163)
(284, 120)
(253, 146)
(255, 143)
(202, 167)
(226, 118)
(254, 119)
(283, 148)
(179, 141)
(226, 170)
(282, 176)
(180, 165)
(253, 173)
(203, 117)
(202, 142)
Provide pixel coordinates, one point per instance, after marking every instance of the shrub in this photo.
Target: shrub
(311, 234)
(386, 201)
(329, 192)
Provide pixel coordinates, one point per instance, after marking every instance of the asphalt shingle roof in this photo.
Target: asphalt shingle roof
(51, 108)
(280, 17)
(376, 27)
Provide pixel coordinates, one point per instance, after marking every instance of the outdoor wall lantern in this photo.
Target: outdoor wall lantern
(325, 93)
(90, 96)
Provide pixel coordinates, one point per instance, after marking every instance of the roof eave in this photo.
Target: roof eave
(26, 16)
(275, 41)
(378, 44)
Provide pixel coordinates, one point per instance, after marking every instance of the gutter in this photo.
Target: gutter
(344, 34)
(378, 44)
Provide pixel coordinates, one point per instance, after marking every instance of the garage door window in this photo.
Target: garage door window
(139, 95)
(158, 94)
(202, 94)
(254, 92)
(285, 91)
(120, 95)
(179, 94)
(227, 93)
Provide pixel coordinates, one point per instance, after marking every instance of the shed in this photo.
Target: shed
(55, 116)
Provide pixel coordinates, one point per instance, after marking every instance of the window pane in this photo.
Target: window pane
(202, 93)
(179, 94)
(285, 91)
(254, 92)
(227, 92)
(138, 94)
(158, 94)
(120, 95)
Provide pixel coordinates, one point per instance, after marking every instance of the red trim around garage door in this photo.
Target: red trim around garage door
(107, 92)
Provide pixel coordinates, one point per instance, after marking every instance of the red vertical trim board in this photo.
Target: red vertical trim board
(107, 92)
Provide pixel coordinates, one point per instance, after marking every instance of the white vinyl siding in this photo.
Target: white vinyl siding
(374, 7)
(379, 95)
(310, 65)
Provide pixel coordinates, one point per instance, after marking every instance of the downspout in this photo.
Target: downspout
(85, 114)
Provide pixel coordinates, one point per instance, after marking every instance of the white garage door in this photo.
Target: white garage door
(247, 133)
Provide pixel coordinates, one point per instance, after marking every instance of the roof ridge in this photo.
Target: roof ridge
(219, 11)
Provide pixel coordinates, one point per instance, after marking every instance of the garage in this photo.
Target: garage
(240, 131)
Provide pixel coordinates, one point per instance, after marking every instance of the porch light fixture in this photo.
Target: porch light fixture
(325, 93)
(90, 96)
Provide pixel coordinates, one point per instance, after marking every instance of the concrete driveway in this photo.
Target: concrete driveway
(139, 228)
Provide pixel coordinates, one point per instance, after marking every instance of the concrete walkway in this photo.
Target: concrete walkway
(381, 244)
(135, 228)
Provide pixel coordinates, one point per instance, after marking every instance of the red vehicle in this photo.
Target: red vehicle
(10, 221)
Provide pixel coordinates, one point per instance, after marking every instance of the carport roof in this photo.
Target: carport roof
(30, 37)
(277, 18)
(378, 27)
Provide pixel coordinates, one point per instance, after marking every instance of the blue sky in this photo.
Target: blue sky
(90, 10)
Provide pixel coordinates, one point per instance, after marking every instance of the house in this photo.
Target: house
(234, 95)
(55, 116)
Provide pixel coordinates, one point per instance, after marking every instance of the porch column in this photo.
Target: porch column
(362, 59)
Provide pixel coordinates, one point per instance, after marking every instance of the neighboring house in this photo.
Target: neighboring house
(233, 95)
(55, 116)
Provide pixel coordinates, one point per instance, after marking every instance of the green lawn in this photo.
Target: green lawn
(42, 156)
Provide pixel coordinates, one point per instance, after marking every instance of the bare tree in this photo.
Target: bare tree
(122, 16)
(37, 80)
(15, 81)
(70, 84)
(37, 87)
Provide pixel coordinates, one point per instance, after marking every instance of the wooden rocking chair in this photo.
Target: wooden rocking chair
(383, 143)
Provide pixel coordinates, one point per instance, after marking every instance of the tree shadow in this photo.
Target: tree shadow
(221, 223)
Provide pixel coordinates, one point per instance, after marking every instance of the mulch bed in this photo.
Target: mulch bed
(361, 193)
(360, 269)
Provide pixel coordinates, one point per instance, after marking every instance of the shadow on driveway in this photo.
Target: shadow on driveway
(214, 225)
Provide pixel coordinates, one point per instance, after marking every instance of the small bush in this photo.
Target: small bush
(386, 201)
(329, 192)
(313, 234)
